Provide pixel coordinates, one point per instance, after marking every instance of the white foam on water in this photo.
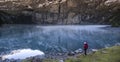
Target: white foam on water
(22, 54)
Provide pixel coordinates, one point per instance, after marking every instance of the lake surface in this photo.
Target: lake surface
(57, 38)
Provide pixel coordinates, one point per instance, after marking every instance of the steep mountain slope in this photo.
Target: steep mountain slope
(61, 11)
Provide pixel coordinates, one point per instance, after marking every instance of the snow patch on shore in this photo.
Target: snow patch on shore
(23, 54)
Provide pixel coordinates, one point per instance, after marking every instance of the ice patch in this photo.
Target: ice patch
(22, 54)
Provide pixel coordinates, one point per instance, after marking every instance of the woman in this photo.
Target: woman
(85, 48)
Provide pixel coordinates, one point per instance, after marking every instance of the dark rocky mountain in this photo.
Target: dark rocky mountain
(60, 12)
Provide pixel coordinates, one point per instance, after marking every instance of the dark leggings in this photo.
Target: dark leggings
(85, 51)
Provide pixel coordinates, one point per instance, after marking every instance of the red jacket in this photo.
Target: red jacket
(85, 46)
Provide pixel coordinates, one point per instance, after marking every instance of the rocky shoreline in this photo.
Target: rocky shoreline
(55, 56)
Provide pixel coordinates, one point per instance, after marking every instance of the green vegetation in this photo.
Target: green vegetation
(115, 19)
(73, 60)
(50, 60)
(26, 61)
(104, 55)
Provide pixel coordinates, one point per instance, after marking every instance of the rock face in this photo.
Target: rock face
(60, 12)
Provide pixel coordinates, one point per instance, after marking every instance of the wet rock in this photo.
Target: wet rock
(61, 60)
(117, 44)
(94, 50)
(71, 54)
(78, 51)
(0, 59)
